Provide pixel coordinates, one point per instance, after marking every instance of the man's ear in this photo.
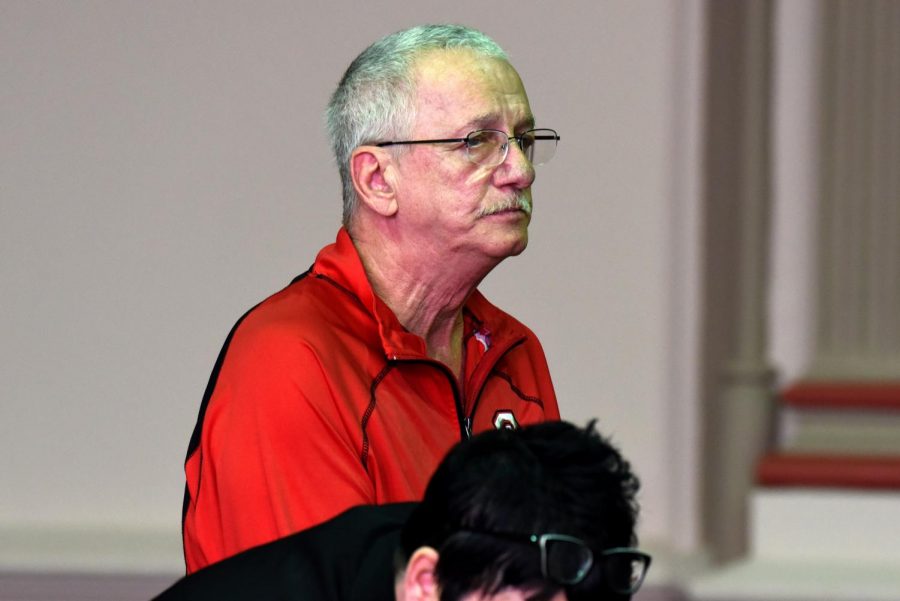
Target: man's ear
(371, 170)
(419, 580)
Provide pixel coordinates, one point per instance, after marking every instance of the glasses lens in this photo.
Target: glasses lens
(625, 571)
(567, 562)
(487, 146)
(539, 145)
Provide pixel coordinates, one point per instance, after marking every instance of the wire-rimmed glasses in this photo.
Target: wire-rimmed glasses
(489, 147)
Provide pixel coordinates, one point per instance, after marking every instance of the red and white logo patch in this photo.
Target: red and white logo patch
(505, 420)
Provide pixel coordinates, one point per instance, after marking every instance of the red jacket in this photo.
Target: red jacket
(320, 400)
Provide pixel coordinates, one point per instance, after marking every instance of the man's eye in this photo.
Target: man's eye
(476, 141)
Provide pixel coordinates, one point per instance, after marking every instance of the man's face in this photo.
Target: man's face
(451, 204)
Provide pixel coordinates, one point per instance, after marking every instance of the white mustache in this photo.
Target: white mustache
(520, 202)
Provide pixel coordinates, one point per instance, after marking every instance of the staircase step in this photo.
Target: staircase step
(839, 431)
(883, 395)
(797, 579)
(829, 471)
(811, 544)
(826, 525)
(840, 418)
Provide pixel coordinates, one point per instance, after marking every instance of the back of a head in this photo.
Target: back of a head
(374, 99)
(547, 478)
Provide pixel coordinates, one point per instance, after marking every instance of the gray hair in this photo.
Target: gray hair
(375, 100)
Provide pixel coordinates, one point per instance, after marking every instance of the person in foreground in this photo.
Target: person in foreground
(544, 513)
(348, 386)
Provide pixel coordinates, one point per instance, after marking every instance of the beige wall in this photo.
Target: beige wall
(163, 167)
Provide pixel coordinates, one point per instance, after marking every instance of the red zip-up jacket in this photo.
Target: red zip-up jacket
(320, 400)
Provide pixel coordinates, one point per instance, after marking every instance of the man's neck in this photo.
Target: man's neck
(425, 292)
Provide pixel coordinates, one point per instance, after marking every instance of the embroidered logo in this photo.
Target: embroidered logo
(505, 420)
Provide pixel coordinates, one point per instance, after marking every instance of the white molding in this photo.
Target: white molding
(90, 549)
(684, 267)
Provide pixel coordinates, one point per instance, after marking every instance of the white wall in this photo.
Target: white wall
(163, 167)
(795, 178)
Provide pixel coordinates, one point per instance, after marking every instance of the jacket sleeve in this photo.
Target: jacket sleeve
(279, 451)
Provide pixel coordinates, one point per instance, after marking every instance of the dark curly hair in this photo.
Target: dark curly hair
(548, 478)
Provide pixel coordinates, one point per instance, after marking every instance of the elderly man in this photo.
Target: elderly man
(348, 386)
(545, 512)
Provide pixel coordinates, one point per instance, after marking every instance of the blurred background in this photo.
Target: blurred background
(713, 267)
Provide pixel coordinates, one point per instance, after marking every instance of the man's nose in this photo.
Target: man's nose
(516, 168)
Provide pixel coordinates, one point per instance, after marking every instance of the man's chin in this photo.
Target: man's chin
(512, 247)
(520, 248)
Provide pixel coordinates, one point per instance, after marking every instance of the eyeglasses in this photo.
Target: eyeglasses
(489, 147)
(568, 560)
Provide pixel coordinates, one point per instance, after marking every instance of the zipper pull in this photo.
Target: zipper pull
(467, 427)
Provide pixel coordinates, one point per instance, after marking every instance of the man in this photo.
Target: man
(348, 386)
(545, 513)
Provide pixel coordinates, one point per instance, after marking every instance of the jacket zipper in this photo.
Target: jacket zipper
(465, 423)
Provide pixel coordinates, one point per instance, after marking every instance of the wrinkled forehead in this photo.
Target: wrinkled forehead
(457, 58)
(460, 85)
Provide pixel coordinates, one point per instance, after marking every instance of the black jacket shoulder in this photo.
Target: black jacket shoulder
(348, 558)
